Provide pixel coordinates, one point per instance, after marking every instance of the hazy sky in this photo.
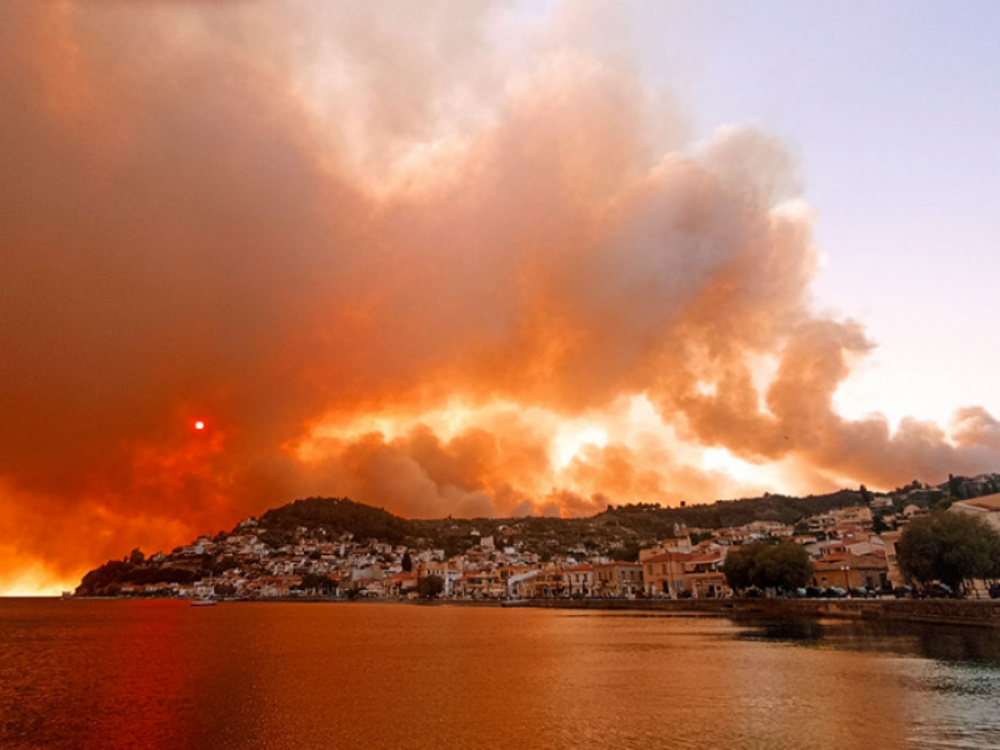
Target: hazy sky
(893, 109)
(483, 258)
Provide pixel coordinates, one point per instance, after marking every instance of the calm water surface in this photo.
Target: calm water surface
(121, 674)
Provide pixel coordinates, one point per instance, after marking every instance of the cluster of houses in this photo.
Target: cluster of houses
(847, 553)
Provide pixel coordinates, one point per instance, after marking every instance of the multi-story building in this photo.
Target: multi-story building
(677, 574)
(851, 572)
(579, 580)
(617, 579)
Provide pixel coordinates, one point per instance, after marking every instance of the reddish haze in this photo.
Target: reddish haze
(328, 228)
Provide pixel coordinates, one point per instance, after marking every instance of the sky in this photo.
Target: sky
(891, 108)
(483, 259)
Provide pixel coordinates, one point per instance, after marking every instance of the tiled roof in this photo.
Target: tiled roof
(989, 503)
(667, 557)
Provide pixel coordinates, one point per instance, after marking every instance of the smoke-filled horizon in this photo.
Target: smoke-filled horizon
(446, 259)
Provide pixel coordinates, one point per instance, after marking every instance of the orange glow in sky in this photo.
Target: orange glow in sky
(499, 271)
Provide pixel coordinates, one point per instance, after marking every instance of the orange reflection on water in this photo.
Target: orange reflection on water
(121, 674)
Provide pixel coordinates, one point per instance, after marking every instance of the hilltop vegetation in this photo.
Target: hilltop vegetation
(336, 516)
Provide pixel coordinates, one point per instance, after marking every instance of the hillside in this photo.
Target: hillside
(618, 532)
(623, 527)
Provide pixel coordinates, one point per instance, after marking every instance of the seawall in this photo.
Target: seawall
(940, 611)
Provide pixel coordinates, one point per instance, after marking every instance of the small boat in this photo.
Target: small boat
(204, 603)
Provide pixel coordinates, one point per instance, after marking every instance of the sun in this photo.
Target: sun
(199, 425)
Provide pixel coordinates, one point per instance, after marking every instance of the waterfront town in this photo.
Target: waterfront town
(852, 551)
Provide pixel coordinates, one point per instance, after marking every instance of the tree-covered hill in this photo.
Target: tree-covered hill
(623, 527)
(617, 528)
(337, 516)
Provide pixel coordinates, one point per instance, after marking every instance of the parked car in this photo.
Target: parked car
(937, 590)
(995, 591)
(835, 592)
(903, 592)
(814, 593)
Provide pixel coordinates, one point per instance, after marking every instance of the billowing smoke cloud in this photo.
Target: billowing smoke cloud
(434, 257)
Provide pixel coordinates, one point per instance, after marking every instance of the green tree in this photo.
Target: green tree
(430, 587)
(949, 547)
(878, 523)
(944, 503)
(315, 582)
(629, 551)
(784, 566)
(954, 485)
(738, 568)
(224, 589)
(994, 569)
(407, 562)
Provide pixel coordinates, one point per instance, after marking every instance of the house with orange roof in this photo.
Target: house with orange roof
(703, 576)
(849, 571)
(547, 584)
(673, 544)
(680, 574)
(400, 584)
(985, 508)
(479, 584)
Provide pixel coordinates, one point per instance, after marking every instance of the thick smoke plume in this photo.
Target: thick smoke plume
(439, 257)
